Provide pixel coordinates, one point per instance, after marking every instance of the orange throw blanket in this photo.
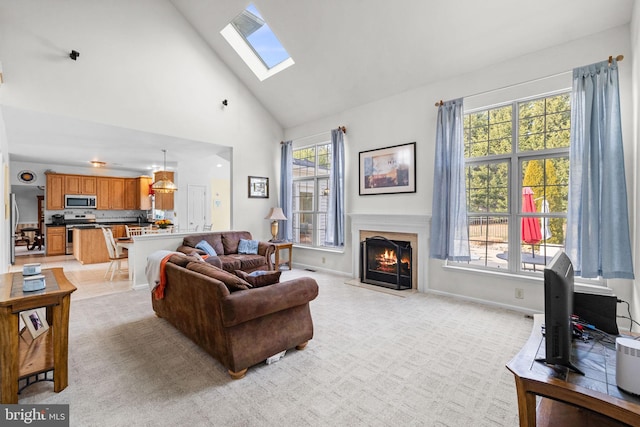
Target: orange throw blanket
(158, 292)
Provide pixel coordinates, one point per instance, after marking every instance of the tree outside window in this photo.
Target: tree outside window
(511, 149)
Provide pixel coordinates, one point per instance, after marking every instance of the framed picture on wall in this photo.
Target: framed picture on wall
(258, 187)
(388, 170)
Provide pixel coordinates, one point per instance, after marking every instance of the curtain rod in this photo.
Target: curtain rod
(440, 103)
(342, 128)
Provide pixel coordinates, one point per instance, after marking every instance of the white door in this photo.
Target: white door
(196, 202)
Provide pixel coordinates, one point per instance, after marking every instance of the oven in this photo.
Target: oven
(76, 221)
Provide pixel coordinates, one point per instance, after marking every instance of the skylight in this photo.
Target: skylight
(252, 38)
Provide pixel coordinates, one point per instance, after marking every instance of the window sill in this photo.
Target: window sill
(319, 248)
(592, 287)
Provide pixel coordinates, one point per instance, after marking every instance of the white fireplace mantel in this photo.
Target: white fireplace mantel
(417, 224)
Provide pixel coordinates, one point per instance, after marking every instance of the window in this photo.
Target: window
(311, 167)
(517, 175)
(254, 41)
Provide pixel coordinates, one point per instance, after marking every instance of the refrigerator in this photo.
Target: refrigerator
(15, 217)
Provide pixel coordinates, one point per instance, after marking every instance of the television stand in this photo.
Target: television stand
(567, 398)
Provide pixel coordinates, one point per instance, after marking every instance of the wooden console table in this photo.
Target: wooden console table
(567, 398)
(280, 246)
(21, 359)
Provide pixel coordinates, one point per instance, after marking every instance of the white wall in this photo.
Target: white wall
(141, 67)
(411, 116)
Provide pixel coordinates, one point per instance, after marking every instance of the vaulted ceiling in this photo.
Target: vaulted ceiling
(352, 52)
(346, 52)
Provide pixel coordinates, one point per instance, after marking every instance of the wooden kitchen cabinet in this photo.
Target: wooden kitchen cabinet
(80, 184)
(110, 193)
(56, 240)
(55, 192)
(144, 182)
(164, 201)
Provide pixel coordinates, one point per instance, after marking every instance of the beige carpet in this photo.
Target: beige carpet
(376, 360)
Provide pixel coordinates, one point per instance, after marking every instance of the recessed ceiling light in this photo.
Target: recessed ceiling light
(97, 164)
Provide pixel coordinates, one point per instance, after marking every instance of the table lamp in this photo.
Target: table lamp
(275, 215)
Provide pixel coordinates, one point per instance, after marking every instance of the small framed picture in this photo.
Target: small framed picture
(259, 187)
(35, 321)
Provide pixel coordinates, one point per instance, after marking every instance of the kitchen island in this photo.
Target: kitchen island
(89, 246)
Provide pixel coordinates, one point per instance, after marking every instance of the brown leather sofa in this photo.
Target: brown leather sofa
(239, 328)
(226, 244)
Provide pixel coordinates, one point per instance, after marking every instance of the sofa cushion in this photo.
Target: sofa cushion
(205, 246)
(231, 240)
(214, 239)
(230, 263)
(233, 282)
(251, 262)
(182, 260)
(260, 278)
(248, 247)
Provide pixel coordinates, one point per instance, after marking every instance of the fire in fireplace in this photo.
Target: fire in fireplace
(385, 262)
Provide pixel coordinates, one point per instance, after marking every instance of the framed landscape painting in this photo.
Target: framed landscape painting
(388, 170)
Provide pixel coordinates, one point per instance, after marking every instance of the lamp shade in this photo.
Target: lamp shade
(275, 214)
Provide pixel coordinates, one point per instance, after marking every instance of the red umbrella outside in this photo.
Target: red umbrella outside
(530, 226)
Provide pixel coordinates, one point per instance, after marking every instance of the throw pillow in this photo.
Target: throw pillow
(249, 247)
(260, 278)
(233, 283)
(203, 245)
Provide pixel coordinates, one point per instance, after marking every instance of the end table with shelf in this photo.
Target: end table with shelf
(23, 358)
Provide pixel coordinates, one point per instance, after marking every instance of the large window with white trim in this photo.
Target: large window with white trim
(311, 167)
(517, 174)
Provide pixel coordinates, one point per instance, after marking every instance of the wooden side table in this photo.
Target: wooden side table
(570, 399)
(280, 246)
(19, 359)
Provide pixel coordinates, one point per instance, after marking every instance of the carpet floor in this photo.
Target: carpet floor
(376, 359)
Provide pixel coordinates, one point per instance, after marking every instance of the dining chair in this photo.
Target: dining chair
(207, 227)
(116, 255)
(133, 230)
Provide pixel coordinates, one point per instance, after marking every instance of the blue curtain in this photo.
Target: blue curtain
(334, 234)
(286, 190)
(598, 240)
(449, 230)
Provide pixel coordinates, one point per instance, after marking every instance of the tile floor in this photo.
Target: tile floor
(88, 279)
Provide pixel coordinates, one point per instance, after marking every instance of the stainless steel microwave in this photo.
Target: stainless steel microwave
(79, 201)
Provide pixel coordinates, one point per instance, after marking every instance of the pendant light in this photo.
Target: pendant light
(164, 185)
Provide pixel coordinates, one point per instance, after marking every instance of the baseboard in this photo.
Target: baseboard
(526, 311)
(321, 269)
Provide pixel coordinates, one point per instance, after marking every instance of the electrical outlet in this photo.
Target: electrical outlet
(519, 293)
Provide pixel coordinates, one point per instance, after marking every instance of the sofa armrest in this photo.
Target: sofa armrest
(242, 306)
(267, 249)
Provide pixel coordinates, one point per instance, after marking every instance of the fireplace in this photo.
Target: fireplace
(386, 262)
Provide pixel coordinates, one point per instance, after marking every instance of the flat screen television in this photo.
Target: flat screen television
(558, 309)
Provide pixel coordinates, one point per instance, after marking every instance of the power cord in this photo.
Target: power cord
(629, 317)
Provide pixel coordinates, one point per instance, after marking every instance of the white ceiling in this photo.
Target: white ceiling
(352, 52)
(346, 52)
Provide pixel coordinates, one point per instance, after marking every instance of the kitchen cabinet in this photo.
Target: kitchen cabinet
(164, 201)
(56, 240)
(136, 193)
(80, 184)
(118, 231)
(110, 193)
(55, 192)
(144, 182)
